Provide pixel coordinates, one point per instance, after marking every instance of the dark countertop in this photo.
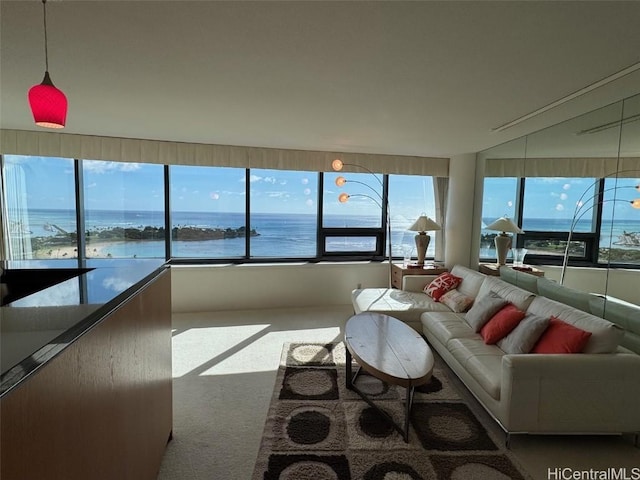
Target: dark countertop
(37, 327)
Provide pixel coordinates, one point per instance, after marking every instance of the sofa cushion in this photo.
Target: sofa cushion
(605, 336)
(482, 362)
(403, 305)
(472, 280)
(483, 309)
(561, 337)
(631, 341)
(522, 338)
(569, 296)
(498, 326)
(441, 285)
(456, 301)
(625, 314)
(519, 297)
(445, 326)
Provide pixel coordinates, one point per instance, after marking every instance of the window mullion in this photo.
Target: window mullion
(320, 249)
(247, 213)
(520, 186)
(594, 248)
(81, 241)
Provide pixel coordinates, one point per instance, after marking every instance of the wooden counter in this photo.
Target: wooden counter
(101, 408)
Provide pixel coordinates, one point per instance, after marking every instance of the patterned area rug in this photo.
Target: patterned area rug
(316, 429)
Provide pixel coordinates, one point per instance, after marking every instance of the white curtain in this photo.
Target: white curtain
(4, 233)
(15, 215)
(89, 147)
(441, 192)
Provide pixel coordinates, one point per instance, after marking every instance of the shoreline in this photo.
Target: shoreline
(95, 250)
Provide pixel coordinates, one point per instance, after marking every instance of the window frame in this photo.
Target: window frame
(380, 234)
(591, 239)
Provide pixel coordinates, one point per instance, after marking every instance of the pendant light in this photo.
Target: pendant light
(48, 104)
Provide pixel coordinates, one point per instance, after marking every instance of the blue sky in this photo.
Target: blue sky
(558, 198)
(133, 186)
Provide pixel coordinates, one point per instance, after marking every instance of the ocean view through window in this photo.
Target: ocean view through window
(607, 229)
(236, 214)
(216, 213)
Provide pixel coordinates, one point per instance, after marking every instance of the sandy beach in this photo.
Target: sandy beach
(95, 250)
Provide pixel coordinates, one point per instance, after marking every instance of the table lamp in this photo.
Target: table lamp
(422, 225)
(502, 240)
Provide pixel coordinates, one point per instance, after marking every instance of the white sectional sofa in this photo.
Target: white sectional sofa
(595, 391)
(624, 314)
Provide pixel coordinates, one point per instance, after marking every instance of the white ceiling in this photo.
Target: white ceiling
(417, 78)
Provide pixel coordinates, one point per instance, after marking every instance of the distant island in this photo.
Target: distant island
(184, 234)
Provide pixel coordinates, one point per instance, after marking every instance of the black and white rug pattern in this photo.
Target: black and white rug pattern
(316, 429)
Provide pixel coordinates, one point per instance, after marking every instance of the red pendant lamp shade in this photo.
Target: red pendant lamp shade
(48, 104)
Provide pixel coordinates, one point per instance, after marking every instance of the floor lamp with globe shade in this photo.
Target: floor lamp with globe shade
(584, 206)
(337, 166)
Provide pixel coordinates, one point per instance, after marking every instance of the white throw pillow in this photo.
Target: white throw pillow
(456, 301)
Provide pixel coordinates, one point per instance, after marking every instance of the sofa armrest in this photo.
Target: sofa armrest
(416, 283)
(590, 393)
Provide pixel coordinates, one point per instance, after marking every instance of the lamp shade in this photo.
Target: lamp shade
(48, 104)
(424, 224)
(504, 224)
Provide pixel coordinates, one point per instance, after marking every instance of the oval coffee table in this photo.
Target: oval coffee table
(391, 351)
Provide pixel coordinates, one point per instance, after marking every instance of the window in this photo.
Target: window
(363, 208)
(123, 209)
(499, 200)
(550, 203)
(215, 213)
(40, 208)
(208, 212)
(409, 197)
(620, 231)
(284, 213)
(552, 207)
(354, 225)
(604, 227)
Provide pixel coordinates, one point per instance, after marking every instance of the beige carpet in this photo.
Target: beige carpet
(317, 429)
(225, 366)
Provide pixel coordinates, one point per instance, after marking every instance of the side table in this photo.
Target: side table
(398, 271)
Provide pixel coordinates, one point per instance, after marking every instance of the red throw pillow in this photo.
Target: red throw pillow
(501, 324)
(441, 285)
(561, 337)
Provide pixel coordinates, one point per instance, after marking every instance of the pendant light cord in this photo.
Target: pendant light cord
(46, 53)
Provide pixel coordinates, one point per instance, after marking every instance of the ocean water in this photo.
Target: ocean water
(280, 235)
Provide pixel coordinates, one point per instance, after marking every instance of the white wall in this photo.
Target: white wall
(228, 287)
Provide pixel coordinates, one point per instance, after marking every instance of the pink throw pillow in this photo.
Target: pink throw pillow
(501, 324)
(561, 337)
